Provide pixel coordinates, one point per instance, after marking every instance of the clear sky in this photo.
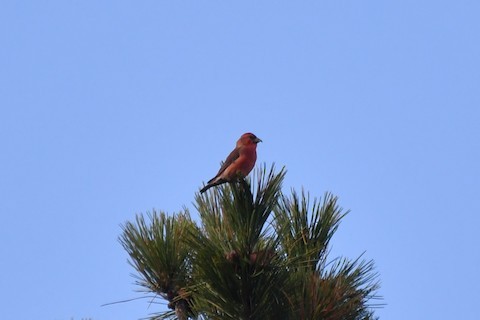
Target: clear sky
(112, 108)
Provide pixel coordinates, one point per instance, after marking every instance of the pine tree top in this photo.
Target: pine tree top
(255, 254)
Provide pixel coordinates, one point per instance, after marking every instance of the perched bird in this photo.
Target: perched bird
(239, 162)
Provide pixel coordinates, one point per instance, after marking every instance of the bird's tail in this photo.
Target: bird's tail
(212, 184)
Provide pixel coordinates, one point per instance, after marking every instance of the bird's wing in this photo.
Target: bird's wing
(230, 159)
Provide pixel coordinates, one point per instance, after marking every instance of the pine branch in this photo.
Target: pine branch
(159, 255)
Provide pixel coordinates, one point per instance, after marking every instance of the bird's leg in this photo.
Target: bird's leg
(244, 183)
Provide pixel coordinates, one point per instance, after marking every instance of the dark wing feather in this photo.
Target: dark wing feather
(230, 159)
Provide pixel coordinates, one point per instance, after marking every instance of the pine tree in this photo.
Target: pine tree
(257, 254)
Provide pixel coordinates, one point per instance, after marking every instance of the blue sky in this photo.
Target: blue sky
(112, 108)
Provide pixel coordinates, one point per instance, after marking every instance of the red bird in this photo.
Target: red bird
(239, 162)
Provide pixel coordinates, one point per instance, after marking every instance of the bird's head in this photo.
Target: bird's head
(247, 139)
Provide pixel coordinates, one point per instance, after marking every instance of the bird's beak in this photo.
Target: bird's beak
(257, 140)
